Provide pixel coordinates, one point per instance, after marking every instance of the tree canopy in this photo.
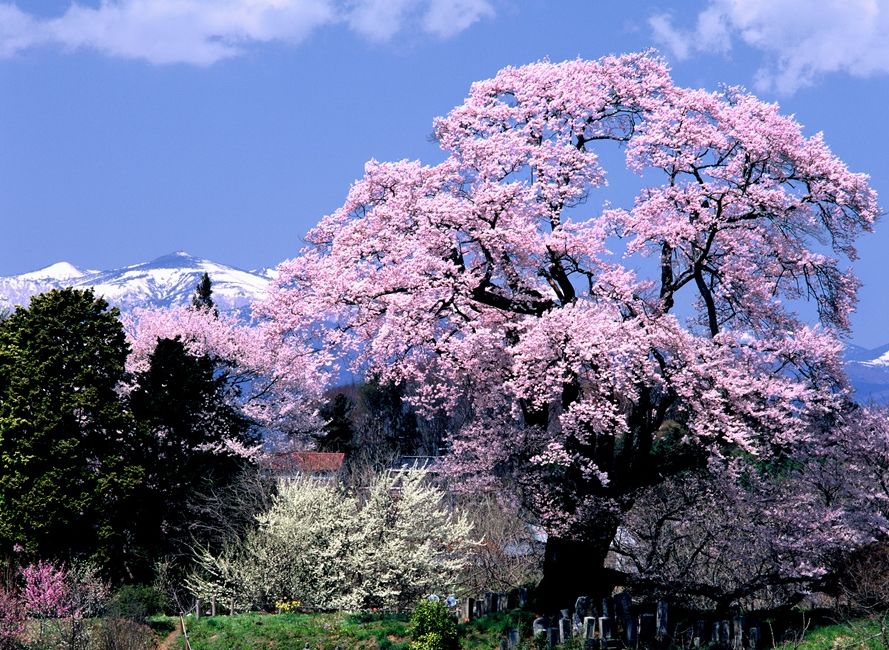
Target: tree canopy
(65, 468)
(490, 278)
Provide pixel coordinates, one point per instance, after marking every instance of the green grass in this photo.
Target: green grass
(258, 631)
(293, 631)
(327, 631)
(861, 634)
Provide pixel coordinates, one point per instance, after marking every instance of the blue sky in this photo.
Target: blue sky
(227, 128)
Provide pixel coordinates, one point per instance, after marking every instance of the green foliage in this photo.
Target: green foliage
(183, 418)
(66, 464)
(203, 294)
(433, 627)
(388, 413)
(338, 431)
(136, 602)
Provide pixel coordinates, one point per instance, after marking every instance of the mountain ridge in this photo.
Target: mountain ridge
(166, 281)
(171, 279)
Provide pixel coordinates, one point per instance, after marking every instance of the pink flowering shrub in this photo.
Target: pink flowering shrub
(12, 620)
(46, 592)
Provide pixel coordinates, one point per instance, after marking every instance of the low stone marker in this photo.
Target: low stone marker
(540, 625)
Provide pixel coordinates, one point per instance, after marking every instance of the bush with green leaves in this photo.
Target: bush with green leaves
(330, 549)
(434, 627)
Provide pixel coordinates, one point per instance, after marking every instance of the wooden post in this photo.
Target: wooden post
(184, 632)
(197, 609)
(231, 606)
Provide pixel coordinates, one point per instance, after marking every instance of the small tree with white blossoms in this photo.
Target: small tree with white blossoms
(331, 550)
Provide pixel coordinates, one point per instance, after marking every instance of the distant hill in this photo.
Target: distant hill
(868, 371)
(168, 280)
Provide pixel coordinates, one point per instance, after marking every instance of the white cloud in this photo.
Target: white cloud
(447, 18)
(379, 20)
(800, 38)
(202, 32)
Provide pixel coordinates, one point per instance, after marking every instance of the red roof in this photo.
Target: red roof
(304, 461)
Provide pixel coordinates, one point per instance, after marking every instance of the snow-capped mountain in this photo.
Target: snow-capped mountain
(868, 371)
(168, 280)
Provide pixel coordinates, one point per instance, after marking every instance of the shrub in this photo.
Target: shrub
(136, 603)
(12, 620)
(433, 627)
(329, 550)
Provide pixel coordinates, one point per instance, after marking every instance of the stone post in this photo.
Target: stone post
(197, 609)
(467, 609)
(604, 629)
(523, 597)
(564, 630)
(646, 628)
(540, 625)
(513, 638)
(213, 606)
(553, 637)
(661, 622)
(490, 603)
(632, 630)
(738, 629)
(503, 602)
(753, 634)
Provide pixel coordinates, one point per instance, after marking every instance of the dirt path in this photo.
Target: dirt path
(169, 642)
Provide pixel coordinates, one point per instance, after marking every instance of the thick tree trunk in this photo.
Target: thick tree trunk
(574, 568)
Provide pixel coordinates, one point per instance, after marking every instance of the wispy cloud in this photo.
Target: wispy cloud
(202, 32)
(800, 38)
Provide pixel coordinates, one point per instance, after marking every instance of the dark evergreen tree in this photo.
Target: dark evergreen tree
(67, 470)
(203, 294)
(388, 415)
(338, 432)
(183, 410)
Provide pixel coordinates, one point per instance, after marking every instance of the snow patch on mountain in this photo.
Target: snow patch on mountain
(165, 281)
(58, 271)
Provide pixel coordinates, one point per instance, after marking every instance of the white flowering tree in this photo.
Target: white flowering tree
(331, 550)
